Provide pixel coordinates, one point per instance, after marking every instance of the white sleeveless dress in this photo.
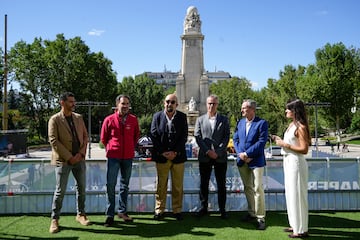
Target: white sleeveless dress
(296, 184)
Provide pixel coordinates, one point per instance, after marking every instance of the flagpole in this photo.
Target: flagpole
(5, 103)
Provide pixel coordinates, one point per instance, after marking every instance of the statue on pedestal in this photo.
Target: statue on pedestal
(192, 104)
(192, 22)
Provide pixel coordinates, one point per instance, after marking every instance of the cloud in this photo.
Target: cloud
(95, 32)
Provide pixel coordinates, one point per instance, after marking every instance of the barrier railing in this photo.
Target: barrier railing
(27, 185)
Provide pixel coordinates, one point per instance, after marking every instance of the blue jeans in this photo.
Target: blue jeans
(113, 167)
(62, 175)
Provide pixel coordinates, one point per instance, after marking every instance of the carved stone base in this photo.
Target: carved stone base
(191, 119)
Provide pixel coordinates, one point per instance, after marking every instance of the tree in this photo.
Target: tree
(277, 93)
(44, 69)
(146, 96)
(337, 69)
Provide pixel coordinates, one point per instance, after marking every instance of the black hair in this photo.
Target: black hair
(65, 96)
(298, 108)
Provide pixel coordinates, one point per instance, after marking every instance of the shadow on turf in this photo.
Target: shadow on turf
(146, 227)
(5, 236)
(319, 225)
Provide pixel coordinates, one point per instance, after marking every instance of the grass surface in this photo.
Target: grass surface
(323, 225)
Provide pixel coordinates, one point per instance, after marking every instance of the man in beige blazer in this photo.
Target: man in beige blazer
(68, 138)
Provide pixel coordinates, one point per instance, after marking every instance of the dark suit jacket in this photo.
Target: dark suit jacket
(164, 141)
(253, 144)
(217, 139)
(60, 137)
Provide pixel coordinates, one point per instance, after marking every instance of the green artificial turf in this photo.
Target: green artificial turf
(323, 225)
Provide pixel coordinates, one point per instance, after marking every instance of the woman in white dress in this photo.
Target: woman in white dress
(295, 146)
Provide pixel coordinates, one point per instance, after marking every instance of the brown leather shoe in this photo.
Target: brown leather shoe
(54, 226)
(82, 219)
(126, 217)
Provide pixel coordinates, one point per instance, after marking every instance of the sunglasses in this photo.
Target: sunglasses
(211, 103)
(170, 101)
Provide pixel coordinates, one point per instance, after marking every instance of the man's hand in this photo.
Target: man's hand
(75, 159)
(170, 155)
(243, 156)
(212, 154)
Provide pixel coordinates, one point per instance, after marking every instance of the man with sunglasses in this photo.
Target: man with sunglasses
(169, 132)
(212, 133)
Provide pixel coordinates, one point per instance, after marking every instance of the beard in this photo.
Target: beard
(169, 109)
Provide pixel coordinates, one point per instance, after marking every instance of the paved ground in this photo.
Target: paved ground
(323, 151)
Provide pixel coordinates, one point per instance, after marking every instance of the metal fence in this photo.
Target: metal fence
(27, 185)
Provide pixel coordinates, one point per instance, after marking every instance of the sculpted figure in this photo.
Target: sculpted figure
(192, 21)
(192, 104)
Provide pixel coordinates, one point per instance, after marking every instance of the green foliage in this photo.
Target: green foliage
(336, 70)
(44, 69)
(145, 123)
(355, 123)
(231, 94)
(146, 96)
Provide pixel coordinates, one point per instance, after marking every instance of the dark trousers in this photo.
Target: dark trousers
(220, 175)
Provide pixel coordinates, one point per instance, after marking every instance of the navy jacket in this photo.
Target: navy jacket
(165, 139)
(253, 144)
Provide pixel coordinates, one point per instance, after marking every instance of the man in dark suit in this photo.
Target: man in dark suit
(250, 137)
(169, 132)
(68, 138)
(212, 133)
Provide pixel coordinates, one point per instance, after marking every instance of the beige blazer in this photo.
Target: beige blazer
(60, 137)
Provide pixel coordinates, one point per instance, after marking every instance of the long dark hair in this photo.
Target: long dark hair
(298, 108)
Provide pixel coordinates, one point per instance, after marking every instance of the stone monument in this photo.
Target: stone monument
(192, 82)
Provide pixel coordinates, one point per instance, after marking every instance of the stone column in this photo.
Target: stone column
(192, 81)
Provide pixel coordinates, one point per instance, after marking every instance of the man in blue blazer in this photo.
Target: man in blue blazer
(212, 133)
(250, 137)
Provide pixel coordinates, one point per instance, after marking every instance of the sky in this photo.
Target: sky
(254, 39)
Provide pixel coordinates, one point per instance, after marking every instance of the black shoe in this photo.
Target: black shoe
(202, 212)
(261, 224)
(109, 221)
(248, 218)
(159, 216)
(224, 215)
(178, 216)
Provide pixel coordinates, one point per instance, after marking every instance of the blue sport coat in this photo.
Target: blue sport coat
(253, 144)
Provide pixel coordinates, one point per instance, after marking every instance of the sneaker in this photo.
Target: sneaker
(109, 222)
(261, 224)
(126, 217)
(54, 226)
(82, 219)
